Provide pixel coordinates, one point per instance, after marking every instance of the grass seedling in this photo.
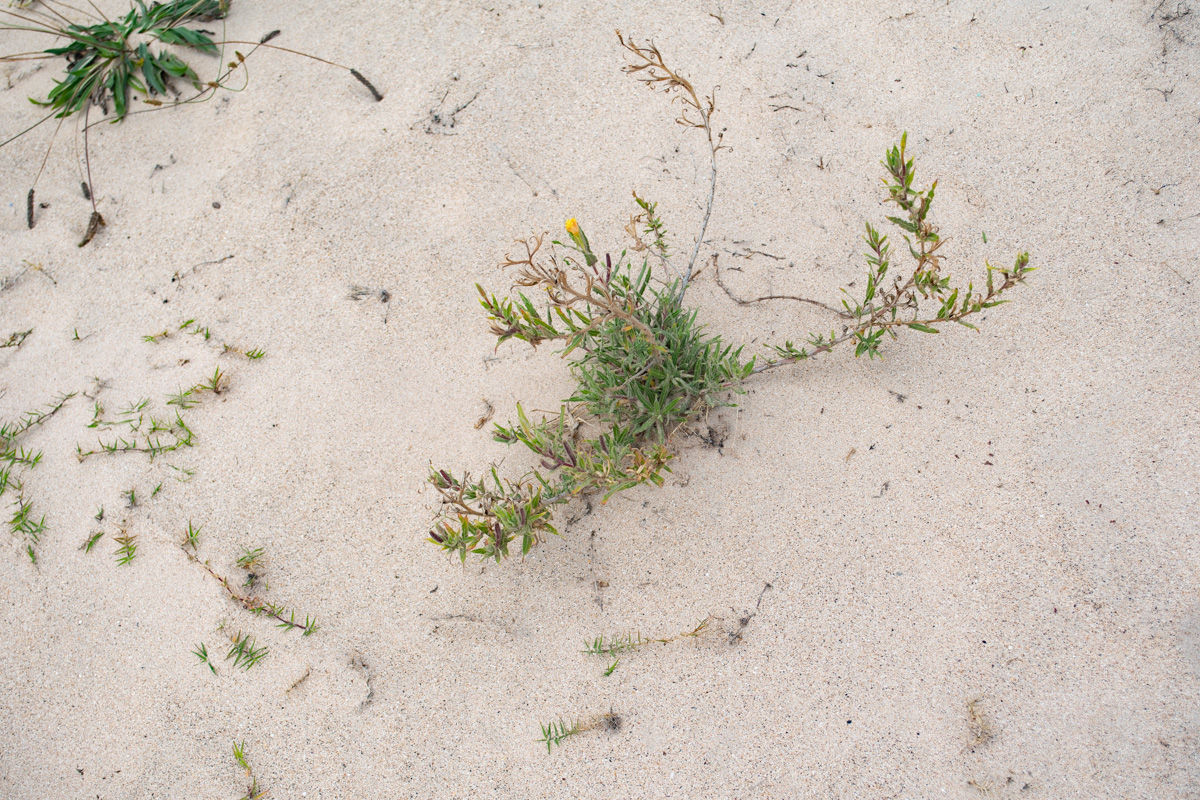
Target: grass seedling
(184, 475)
(157, 489)
(24, 524)
(253, 355)
(191, 536)
(558, 731)
(121, 61)
(243, 652)
(612, 667)
(183, 398)
(16, 339)
(131, 499)
(90, 542)
(217, 384)
(201, 652)
(250, 559)
(193, 328)
(127, 550)
(611, 646)
(239, 756)
(645, 368)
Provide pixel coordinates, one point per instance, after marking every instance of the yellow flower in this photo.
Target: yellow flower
(572, 227)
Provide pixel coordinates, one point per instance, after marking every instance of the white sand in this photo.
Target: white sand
(1058, 583)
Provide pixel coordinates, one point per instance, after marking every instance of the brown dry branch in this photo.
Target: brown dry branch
(649, 67)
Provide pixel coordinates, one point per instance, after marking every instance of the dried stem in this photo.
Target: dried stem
(649, 67)
(744, 302)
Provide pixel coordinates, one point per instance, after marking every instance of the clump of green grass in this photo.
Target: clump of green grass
(645, 368)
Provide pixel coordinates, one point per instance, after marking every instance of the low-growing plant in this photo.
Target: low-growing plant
(16, 459)
(253, 792)
(122, 60)
(16, 339)
(284, 617)
(127, 546)
(558, 731)
(612, 646)
(90, 542)
(645, 367)
(142, 431)
(243, 651)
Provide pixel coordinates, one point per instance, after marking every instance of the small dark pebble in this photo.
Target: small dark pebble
(216, 205)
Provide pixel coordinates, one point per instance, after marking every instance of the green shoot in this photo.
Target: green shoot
(16, 339)
(127, 550)
(558, 731)
(193, 328)
(610, 646)
(201, 652)
(90, 542)
(239, 755)
(184, 475)
(191, 536)
(253, 354)
(243, 652)
(249, 559)
(155, 338)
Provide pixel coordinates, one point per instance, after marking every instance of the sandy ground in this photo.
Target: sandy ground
(1019, 528)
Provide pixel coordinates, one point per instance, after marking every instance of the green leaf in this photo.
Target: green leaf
(916, 326)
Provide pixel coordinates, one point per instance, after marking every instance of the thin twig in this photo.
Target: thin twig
(744, 302)
(650, 60)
